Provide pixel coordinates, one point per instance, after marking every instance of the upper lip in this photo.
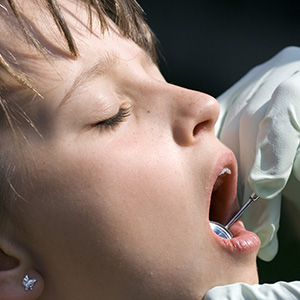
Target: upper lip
(222, 190)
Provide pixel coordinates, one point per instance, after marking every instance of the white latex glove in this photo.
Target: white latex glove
(241, 291)
(260, 122)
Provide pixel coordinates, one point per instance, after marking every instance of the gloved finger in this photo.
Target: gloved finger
(278, 140)
(296, 169)
(242, 291)
(263, 218)
(291, 192)
(269, 250)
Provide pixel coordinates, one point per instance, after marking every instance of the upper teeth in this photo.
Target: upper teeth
(225, 170)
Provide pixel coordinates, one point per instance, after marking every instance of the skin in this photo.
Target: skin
(122, 212)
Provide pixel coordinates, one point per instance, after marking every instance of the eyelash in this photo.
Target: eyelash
(112, 122)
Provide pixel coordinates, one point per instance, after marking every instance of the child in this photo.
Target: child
(109, 173)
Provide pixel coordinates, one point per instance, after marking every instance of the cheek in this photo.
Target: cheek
(150, 213)
(147, 199)
(129, 205)
(142, 184)
(141, 194)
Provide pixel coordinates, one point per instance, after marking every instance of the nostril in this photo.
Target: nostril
(201, 126)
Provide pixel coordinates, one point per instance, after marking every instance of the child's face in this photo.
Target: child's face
(120, 210)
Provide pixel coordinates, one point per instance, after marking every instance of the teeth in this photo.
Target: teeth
(225, 171)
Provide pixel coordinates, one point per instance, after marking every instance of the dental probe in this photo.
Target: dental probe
(222, 230)
(251, 199)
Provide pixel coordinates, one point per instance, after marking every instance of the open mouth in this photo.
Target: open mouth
(223, 202)
(223, 206)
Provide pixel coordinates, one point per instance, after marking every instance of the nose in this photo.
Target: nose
(194, 114)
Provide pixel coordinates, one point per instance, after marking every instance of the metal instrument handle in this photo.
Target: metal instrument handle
(251, 199)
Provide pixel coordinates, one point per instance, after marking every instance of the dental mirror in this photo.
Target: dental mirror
(223, 231)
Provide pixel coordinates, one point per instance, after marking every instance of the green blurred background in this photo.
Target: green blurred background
(208, 45)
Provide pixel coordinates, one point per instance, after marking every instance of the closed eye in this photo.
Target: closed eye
(112, 122)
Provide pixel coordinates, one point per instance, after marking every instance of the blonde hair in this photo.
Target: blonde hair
(126, 14)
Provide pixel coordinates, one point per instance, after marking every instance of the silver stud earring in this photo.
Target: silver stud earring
(28, 283)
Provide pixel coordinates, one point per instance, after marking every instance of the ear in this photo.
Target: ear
(15, 264)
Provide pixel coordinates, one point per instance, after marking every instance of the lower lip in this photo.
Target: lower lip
(243, 241)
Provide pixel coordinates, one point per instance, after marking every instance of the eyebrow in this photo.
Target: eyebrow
(87, 75)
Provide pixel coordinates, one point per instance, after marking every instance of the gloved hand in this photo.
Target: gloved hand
(260, 122)
(277, 291)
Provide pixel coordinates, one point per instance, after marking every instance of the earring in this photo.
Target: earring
(28, 283)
